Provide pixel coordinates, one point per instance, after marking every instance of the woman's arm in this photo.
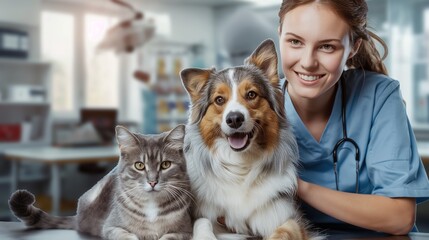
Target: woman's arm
(390, 215)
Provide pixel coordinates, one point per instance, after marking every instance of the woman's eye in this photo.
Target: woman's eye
(139, 166)
(327, 47)
(295, 42)
(165, 164)
(251, 95)
(219, 100)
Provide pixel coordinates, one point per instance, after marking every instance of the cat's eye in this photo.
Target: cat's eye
(139, 166)
(165, 164)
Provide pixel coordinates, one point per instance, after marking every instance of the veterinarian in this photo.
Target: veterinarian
(360, 167)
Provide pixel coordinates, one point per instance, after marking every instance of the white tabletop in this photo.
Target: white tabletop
(17, 230)
(63, 154)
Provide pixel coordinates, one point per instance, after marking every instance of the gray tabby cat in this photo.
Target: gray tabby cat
(146, 196)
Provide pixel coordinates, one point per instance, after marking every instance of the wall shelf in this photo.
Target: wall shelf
(17, 104)
(22, 62)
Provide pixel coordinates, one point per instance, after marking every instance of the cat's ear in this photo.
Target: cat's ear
(174, 138)
(125, 138)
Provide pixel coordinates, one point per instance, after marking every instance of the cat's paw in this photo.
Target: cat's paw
(130, 237)
(176, 236)
(115, 233)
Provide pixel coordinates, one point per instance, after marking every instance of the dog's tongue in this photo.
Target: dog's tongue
(237, 142)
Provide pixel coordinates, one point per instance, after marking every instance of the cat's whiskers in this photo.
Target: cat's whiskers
(177, 196)
(184, 190)
(178, 193)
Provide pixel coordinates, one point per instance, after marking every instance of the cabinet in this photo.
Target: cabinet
(24, 103)
(165, 100)
(24, 83)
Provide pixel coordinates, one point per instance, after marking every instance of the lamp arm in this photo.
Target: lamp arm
(138, 14)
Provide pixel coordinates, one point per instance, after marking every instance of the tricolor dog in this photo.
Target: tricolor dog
(241, 153)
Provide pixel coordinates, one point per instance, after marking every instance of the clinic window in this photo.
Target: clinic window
(421, 67)
(82, 76)
(57, 47)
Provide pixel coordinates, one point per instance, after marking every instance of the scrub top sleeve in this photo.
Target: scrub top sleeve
(393, 163)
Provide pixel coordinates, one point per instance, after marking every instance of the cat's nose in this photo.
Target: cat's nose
(153, 183)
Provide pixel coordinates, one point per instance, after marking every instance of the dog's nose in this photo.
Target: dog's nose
(234, 119)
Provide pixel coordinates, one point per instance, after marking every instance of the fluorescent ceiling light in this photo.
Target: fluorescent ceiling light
(265, 2)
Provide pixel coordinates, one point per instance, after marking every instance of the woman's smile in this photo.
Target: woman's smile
(309, 77)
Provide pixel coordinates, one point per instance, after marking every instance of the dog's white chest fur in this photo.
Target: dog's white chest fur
(248, 197)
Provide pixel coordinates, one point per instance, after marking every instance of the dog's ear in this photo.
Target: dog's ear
(265, 58)
(194, 80)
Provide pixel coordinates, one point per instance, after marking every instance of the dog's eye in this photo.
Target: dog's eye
(220, 100)
(251, 95)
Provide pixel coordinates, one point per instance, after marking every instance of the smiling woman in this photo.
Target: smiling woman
(355, 158)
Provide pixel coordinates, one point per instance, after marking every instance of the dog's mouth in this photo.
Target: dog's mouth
(239, 141)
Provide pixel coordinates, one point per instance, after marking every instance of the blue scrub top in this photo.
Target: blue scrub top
(376, 119)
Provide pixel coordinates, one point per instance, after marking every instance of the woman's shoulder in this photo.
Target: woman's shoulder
(368, 81)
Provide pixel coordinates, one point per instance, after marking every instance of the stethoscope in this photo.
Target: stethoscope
(344, 139)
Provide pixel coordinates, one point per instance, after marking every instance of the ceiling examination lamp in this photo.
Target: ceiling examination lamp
(129, 35)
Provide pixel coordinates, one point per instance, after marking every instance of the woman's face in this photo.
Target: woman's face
(314, 47)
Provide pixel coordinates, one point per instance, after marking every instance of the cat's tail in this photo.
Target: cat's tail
(21, 203)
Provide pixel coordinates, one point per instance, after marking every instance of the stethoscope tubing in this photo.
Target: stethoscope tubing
(344, 139)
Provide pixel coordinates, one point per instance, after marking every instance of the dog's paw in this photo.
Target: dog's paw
(289, 230)
(203, 229)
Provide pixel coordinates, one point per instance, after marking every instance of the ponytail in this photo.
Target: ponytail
(368, 57)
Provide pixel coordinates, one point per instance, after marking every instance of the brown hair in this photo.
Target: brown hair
(354, 12)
